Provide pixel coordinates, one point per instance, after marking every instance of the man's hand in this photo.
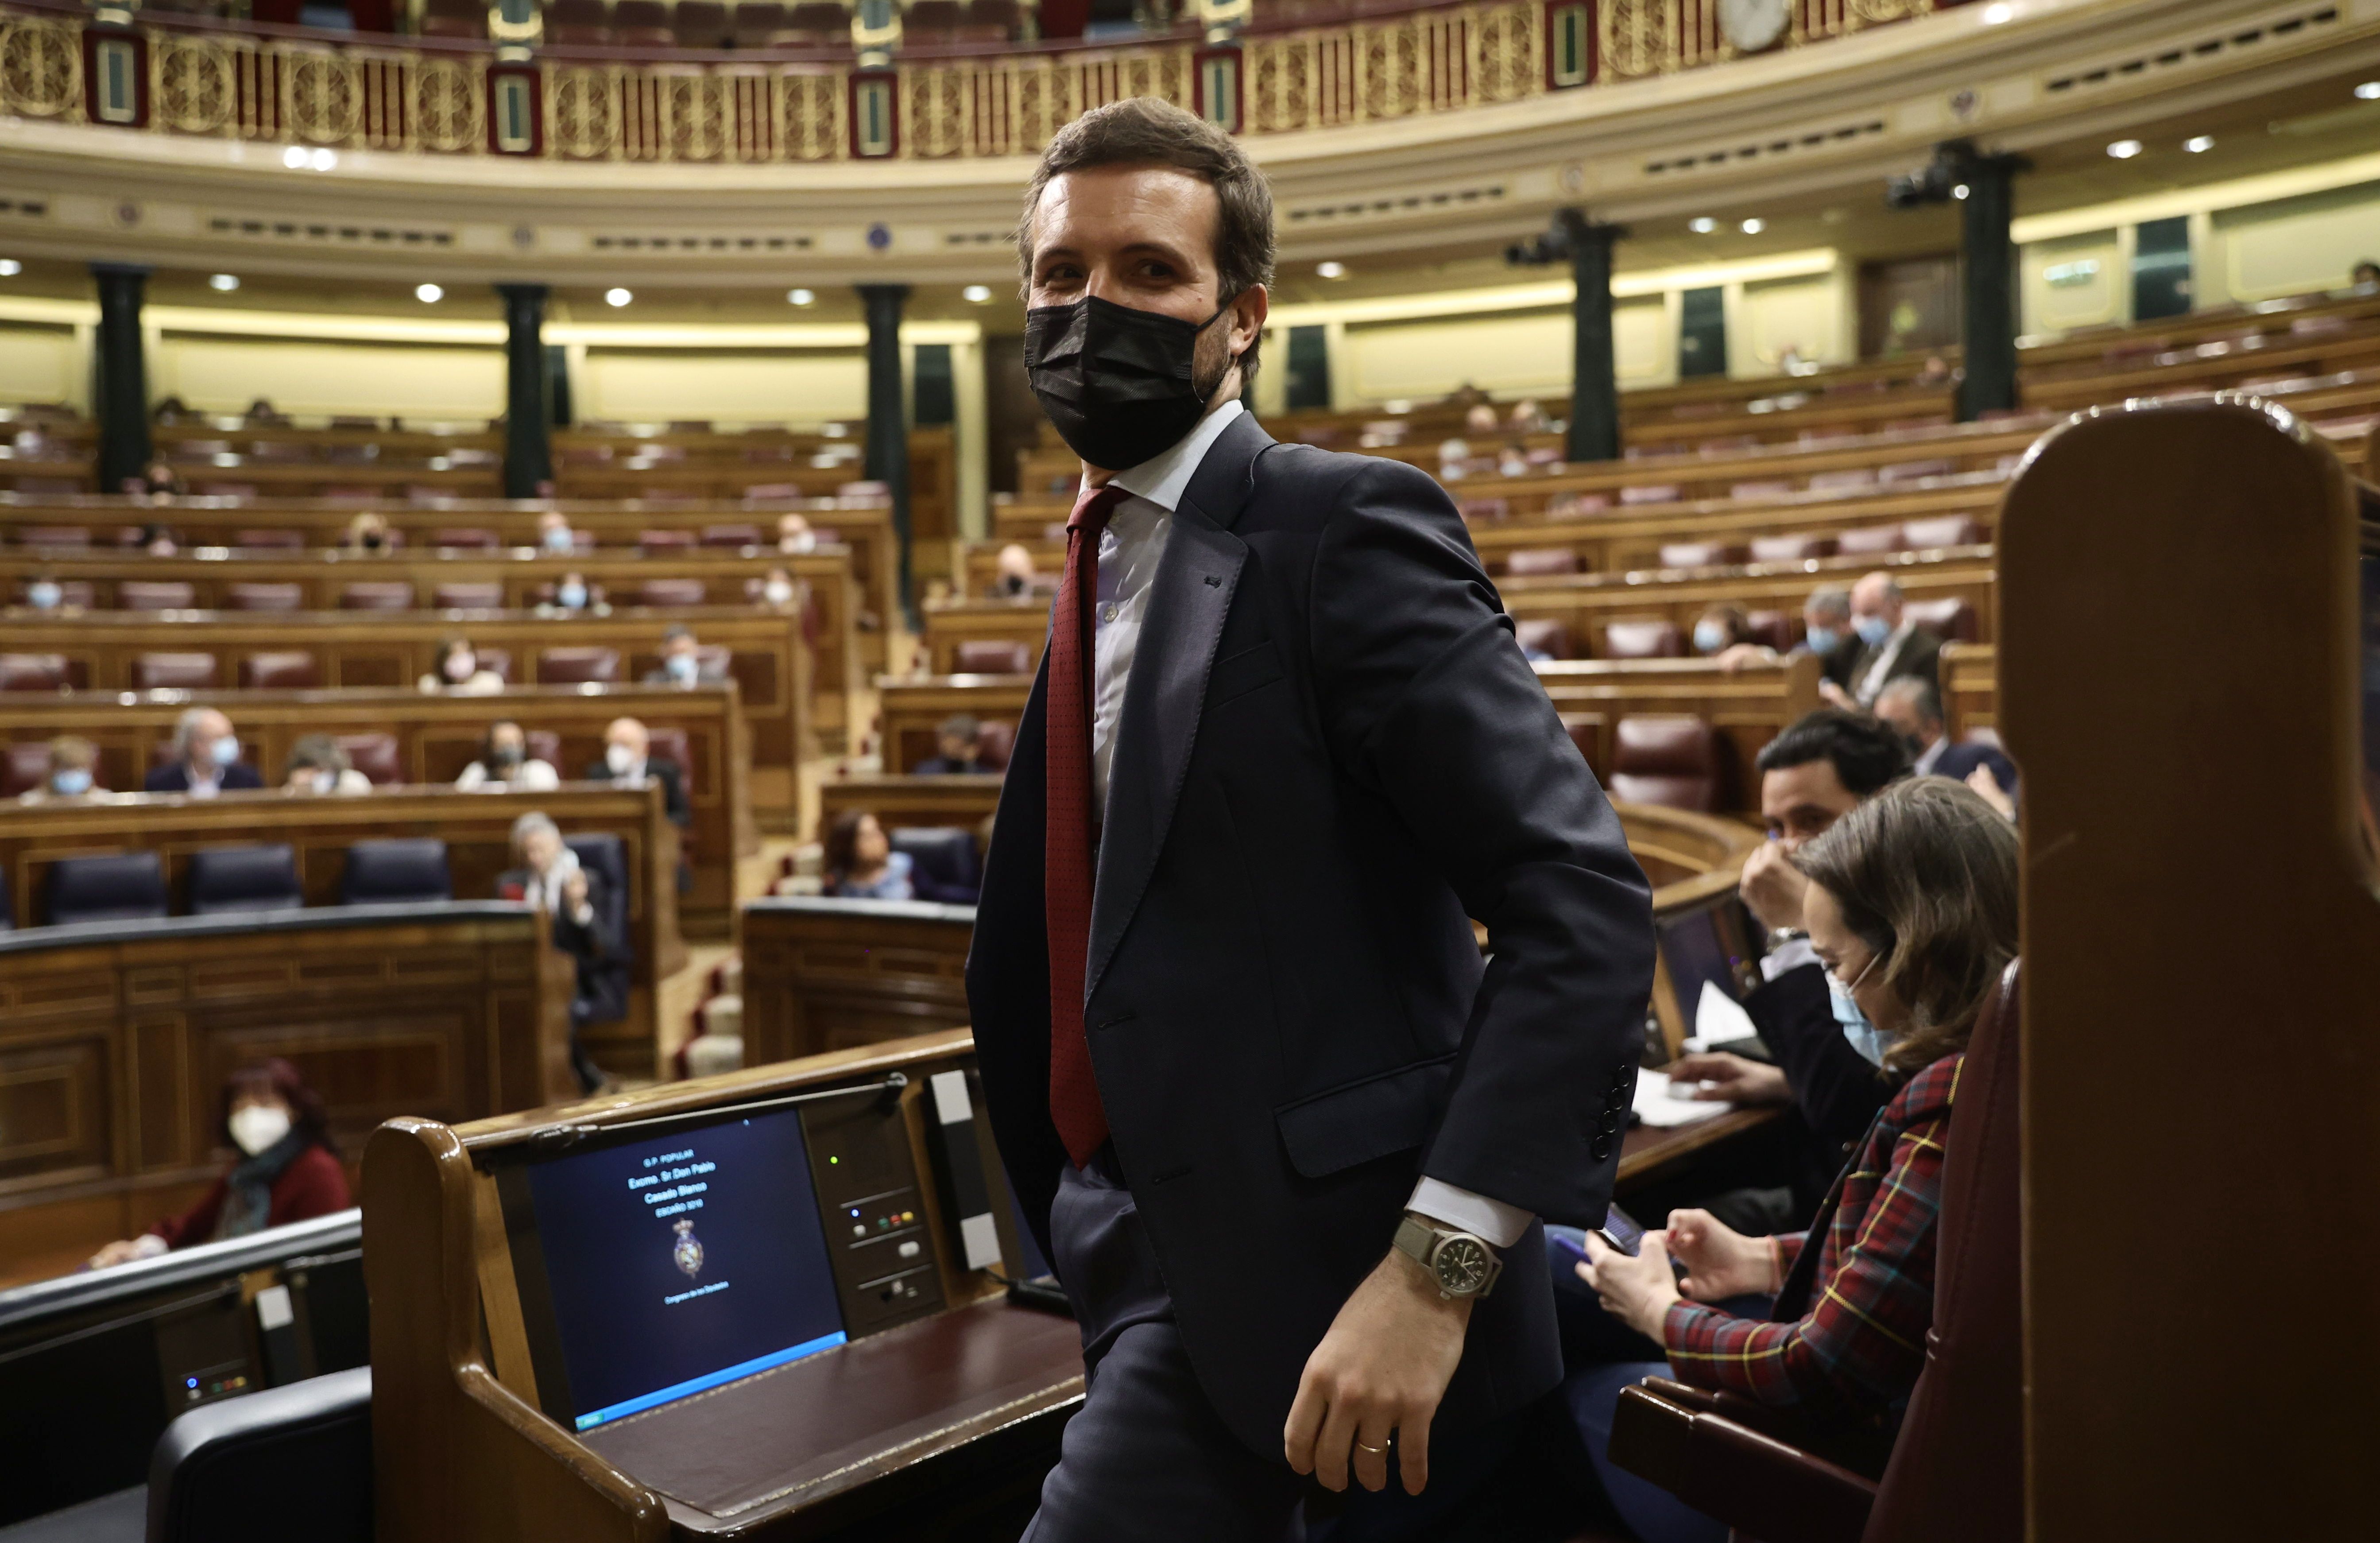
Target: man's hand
(1742, 656)
(1988, 786)
(1835, 695)
(1638, 1291)
(1736, 1079)
(1381, 1368)
(1772, 887)
(1720, 1262)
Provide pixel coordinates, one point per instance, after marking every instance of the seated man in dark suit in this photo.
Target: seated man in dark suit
(1891, 647)
(206, 759)
(1913, 709)
(1826, 631)
(959, 739)
(549, 877)
(628, 747)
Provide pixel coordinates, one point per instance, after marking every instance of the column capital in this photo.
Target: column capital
(121, 270)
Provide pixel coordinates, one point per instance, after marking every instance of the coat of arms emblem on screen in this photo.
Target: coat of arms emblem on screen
(687, 1251)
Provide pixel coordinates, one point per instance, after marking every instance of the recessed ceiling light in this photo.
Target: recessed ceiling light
(1702, 224)
(1755, 225)
(1961, 190)
(975, 294)
(1994, 15)
(10, 267)
(799, 297)
(428, 293)
(617, 296)
(223, 282)
(1330, 270)
(294, 158)
(2124, 149)
(2199, 144)
(2368, 91)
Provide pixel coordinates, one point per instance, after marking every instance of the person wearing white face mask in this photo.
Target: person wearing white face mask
(288, 1168)
(460, 672)
(794, 535)
(206, 759)
(1911, 908)
(627, 758)
(779, 592)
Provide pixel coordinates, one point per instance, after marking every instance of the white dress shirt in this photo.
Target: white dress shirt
(1926, 763)
(1130, 550)
(1886, 657)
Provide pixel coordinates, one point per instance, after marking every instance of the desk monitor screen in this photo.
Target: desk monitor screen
(673, 1265)
(1703, 944)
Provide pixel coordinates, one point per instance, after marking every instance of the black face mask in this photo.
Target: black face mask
(1119, 383)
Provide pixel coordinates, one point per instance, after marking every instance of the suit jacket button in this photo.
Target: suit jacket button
(1599, 1148)
(1610, 1121)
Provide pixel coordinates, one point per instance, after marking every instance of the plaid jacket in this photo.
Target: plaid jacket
(1860, 1349)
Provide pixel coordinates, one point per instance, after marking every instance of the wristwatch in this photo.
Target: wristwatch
(1780, 936)
(1460, 1263)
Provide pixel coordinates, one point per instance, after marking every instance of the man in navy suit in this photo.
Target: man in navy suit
(1287, 1136)
(206, 759)
(1911, 707)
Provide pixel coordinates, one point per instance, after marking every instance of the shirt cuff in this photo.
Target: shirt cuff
(1785, 956)
(1493, 1220)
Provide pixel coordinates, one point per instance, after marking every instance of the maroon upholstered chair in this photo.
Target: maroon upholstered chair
(144, 594)
(814, 24)
(983, 656)
(579, 666)
(463, 539)
(55, 538)
(1672, 761)
(269, 540)
(994, 744)
(665, 541)
(33, 671)
(76, 592)
(377, 594)
(671, 745)
(1533, 562)
(732, 535)
(375, 756)
(1792, 549)
(642, 24)
(454, 18)
(250, 596)
(173, 672)
(280, 670)
(1942, 530)
(1867, 540)
(714, 662)
(1543, 634)
(546, 745)
(496, 662)
(1644, 640)
(1699, 554)
(23, 766)
(672, 591)
(1483, 509)
(1952, 620)
(1780, 629)
(471, 594)
(1660, 493)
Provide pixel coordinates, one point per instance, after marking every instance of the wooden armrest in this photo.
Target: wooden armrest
(1735, 1473)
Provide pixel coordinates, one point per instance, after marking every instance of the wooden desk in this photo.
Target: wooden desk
(1970, 688)
(476, 827)
(1748, 707)
(769, 662)
(523, 577)
(901, 800)
(437, 736)
(115, 1036)
(910, 707)
(1024, 620)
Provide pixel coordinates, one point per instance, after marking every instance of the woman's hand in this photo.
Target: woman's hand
(1637, 1291)
(1724, 1075)
(148, 1246)
(1720, 1262)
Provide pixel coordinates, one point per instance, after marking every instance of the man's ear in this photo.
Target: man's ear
(1249, 310)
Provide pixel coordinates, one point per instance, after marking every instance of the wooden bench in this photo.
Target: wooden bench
(115, 1036)
(767, 660)
(437, 736)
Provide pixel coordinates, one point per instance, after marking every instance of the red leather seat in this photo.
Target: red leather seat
(671, 745)
(732, 535)
(377, 594)
(466, 539)
(142, 594)
(1867, 540)
(173, 672)
(546, 745)
(468, 595)
(1532, 562)
(812, 24)
(24, 765)
(1483, 509)
(35, 671)
(54, 538)
(665, 541)
(1662, 492)
(671, 591)
(756, 22)
(281, 670)
(1644, 640)
(1779, 629)
(577, 23)
(1792, 549)
(1952, 620)
(1669, 760)
(250, 596)
(933, 20)
(1942, 530)
(269, 540)
(1700, 554)
(579, 666)
(992, 657)
(1543, 634)
(454, 18)
(994, 744)
(76, 592)
(496, 662)
(375, 756)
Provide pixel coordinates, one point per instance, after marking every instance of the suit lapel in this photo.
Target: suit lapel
(1188, 599)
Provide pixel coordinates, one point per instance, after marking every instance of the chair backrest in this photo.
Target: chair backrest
(375, 756)
(579, 666)
(728, 535)
(76, 592)
(173, 672)
(405, 870)
(1791, 549)
(377, 594)
(1644, 640)
(987, 656)
(994, 744)
(544, 744)
(282, 670)
(122, 886)
(671, 745)
(245, 878)
(1483, 509)
(23, 764)
(32, 672)
(1780, 629)
(1952, 620)
(253, 596)
(1531, 561)
(289, 1462)
(1942, 530)
(665, 541)
(1663, 492)
(945, 854)
(671, 591)
(1699, 554)
(143, 594)
(1669, 760)
(1957, 1473)
(55, 537)
(1868, 539)
(1543, 634)
(269, 540)
(466, 538)
(468, 594)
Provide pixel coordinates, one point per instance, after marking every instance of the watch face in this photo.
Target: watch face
(1461, 1264)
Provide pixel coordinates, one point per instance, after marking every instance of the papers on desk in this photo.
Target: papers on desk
(1657, 1107)
(1719, 1018)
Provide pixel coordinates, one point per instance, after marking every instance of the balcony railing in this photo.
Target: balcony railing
(315, 89)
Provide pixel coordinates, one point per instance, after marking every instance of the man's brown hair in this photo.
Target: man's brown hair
(1144, 132)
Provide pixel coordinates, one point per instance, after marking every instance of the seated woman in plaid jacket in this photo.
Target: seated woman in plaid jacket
(1913, 909)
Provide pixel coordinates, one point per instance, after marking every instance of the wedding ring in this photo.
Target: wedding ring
(1374, 1451)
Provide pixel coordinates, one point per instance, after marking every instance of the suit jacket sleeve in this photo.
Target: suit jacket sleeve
(1426, 700)
(674, 802)
(1837, 1092)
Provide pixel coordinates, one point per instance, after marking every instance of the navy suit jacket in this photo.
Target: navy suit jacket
(176, 778)
(1331, 756)
(1960, 761)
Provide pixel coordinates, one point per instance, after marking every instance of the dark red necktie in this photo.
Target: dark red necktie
(1074, 1091)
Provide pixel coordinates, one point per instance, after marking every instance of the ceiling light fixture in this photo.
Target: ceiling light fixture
(2199, 144)
(1330, 270)
(2124, 149)
(428, 293)
(1702, 224)
(974, 294)
(616, 297)
(223, 282)
(1755, 225)
(799, 297)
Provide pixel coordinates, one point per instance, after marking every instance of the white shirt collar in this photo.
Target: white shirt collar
(1932, 756)
(1165, 477)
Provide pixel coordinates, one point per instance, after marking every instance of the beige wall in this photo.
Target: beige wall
(2288, 247)
(1510, 354)
(215, 373)
(793, 386)
(1807, 314)
(2103, 297)
(40, 364)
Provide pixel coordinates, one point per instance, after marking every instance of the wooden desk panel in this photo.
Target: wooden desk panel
(770, 664)
(828, 975)
(953, 621)
(476, 827)
(438, 735)
(1970, 688)
(910, 709)
(899, 799)
(524, 576)
(115, 1039)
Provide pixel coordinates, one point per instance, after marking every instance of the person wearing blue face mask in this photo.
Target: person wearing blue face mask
(46, 594)
(1826, 632)
(73, 775)
(1890, 646)
(682, 663)
(554, 535)
(206, 759)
